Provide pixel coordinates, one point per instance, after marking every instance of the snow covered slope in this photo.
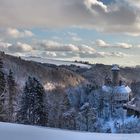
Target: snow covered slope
(23, 132)
(56, 62)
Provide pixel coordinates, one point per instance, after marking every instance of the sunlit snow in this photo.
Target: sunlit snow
(23, 132)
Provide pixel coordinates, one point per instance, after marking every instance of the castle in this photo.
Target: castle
(115, 92)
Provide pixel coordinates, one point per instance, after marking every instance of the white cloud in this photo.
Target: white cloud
(53, 46)
(15, 33)
(20, 47)
(113, 54)
(4, 46)
(90, 55)
(49, 54)
(57, 50)
(124, 45)
(85, 48)
(61, 50)
(96, 6)
(50, 45)
(101, 43)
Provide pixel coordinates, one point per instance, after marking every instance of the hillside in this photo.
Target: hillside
(47, 74)
(98, 72)
(56, 62)
(64, 75)
(24, 132)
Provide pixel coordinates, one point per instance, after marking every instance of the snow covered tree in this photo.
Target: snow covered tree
(92, 119)
(86, 118)
(33, 109)
(40, 115)
(74, 96)
(69, 119)
(2, 91)
(58, 103)
(132, 126)
(12, 90)
(22, 116)
(2, 78)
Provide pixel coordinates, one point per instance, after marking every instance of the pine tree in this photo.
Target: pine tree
(24, 105)
(86, 118)
(39, 105)
(11, 84)
(58, 105)
(2, 78)
(32, 109)
(2, 91)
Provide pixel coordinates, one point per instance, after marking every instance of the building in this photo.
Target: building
(133, 107)
(115, 90)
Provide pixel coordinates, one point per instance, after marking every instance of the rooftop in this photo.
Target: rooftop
(118, 89)
(115, 67)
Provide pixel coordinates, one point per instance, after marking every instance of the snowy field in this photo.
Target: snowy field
(56, 62)
(23, 132)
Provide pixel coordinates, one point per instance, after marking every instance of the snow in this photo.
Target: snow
(56, 62)
(106, 88)
(122, 89)
(49, 86)
(115, 67)
(118, 89)
(111, 123)
(24, 132)
(85, 106)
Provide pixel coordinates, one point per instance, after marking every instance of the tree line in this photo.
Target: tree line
(30, 109)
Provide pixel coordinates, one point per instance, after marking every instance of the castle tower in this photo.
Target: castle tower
(115, 75)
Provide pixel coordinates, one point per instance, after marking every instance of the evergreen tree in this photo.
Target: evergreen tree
(2, 91)
(86, 119)
(69, 119)
(32, 109)
(39, 104)
(11, 84)
(58, 103)
(24, 105)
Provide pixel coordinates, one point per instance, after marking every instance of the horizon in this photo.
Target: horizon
(65, 62)
(97, 31)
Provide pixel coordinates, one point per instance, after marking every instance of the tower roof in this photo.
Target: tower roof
(115, 67)
(122, 89)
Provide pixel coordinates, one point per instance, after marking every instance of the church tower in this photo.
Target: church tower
(115, 75)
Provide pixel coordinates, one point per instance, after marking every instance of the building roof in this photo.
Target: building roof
(118, 89)
(115, 68)
(122, 89)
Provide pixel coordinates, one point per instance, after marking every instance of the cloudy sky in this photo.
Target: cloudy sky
(103, 31)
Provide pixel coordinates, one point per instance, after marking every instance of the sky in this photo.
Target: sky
(98, 31)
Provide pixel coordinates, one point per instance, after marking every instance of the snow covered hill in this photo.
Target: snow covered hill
(48, 75)
(56, 62)
(24, 132)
